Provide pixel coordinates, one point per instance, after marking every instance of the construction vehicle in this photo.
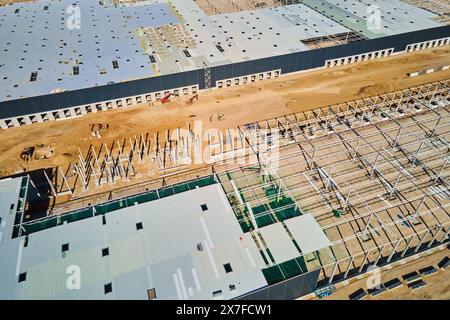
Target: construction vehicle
(191, 100)
(325, 291)
(220, 117)
(166, 98)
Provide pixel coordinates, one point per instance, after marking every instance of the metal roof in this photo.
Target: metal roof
(37, 40)
(279, 242)
(9, 195)
(396, 16)
(308, 233)
(181, 251)
(9, 250)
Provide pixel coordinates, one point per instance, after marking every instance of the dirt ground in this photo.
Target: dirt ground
(437, 285)
(8, 2)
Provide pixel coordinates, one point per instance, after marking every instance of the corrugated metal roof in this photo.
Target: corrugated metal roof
(38, 40)
(395, 16)
(9, 249)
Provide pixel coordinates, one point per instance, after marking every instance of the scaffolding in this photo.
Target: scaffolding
(439, 7)
(333, 40)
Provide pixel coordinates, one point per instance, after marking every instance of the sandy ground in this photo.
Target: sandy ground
(437, 285)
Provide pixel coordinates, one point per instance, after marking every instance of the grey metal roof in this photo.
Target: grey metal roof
(396, 15)
(9, 195)
(9, 250)
(38, 40)
(307, 233)
(279, 243)
(162, 255)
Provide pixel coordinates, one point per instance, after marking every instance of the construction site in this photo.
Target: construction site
(284, 173)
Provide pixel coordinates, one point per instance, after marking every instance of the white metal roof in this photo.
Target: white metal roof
(279, 243)
(9, 195)
(395, 16)
(35, 39)
(163, 255)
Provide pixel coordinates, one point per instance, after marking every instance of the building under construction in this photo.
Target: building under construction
(278, 208)
(69, 58)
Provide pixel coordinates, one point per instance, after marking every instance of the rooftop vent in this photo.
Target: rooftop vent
(65, 247)
(227, 268)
